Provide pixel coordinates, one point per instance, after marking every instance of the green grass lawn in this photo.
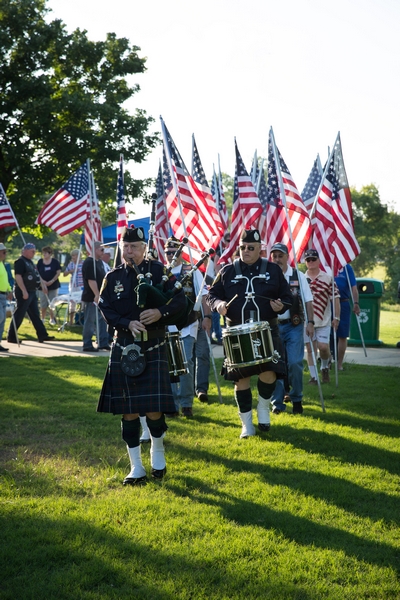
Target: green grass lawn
(307, 511)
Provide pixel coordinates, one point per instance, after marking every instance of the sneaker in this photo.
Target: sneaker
(187, 411)
(276, 411)
(90, 349)
(202, 396)
(312, 381)
(53, 322)
(286, 398)
(325, 375)
(297, 408)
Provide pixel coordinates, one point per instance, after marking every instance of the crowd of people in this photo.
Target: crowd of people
(264, 311)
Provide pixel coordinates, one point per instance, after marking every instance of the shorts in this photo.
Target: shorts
(321, 334)
(45, 299)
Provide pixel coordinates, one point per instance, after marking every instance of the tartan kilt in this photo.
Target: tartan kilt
(279, 368)
(149, 392)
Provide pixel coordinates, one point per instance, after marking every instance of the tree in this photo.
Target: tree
(61, 102)
(377, 230)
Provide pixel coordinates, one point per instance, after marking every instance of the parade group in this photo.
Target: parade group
(158, 322)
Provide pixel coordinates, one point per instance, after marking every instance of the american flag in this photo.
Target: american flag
(333, 229)
(66, 210)
(277, 220)
(93, 230)
(182, 211)
(122, 217)
(209, 226)
(7, 217)
(217, 192)
(161, 225)
(246, 207)
(312, 185)
(262, 192)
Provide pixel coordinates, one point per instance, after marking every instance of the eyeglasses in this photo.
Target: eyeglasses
(311, 259)
(251, 248)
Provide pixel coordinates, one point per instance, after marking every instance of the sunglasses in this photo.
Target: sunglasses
(311, 259)
(170, 253)
(251, 248)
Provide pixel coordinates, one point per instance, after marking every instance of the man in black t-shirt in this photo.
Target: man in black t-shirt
(27, 281)
(93, 275)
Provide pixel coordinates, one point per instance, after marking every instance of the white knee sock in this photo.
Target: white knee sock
(137, 468)
(263, 410)
(157, 455)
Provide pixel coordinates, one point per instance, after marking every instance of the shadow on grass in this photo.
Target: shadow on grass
(69, 558)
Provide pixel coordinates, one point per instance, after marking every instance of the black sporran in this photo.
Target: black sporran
(133, 362)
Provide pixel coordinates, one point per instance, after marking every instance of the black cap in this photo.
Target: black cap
(133, 234)
(280, 248)
(250, 235)
(311, 253)
(172, 242)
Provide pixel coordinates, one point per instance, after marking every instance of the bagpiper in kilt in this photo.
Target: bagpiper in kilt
(137, 380)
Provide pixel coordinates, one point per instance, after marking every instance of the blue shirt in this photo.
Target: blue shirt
(343, 284)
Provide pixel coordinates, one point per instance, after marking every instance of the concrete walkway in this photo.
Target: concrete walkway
(383, 357)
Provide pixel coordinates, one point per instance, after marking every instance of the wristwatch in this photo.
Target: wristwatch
(207, 316)
(311, 321)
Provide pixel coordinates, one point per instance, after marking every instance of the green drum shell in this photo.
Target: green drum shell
(247, 345)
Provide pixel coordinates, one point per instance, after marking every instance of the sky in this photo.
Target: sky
(221, 69)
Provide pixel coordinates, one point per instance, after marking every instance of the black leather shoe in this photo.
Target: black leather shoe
(264, 427)
(297, 408)
(14, 341)
(172, 415)
(135, 480)
(48, 338)
(158, 473)
(2, 349)
(202, 396)
(105, 348)
(90, 349)
(187, 411)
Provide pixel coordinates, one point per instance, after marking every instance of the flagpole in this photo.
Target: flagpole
(282, 188)
(335, 349)
(357, 317)
(91, 182)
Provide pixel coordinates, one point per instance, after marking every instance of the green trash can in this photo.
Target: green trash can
(370, 292)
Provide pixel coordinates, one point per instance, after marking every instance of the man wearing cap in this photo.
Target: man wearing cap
(137, 380)
(231, 294)
(5, 293)
(291, 330)
(321, 285)
(183, 392)
(27, 281)
(93, 275)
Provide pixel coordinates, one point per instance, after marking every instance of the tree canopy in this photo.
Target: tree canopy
(62, 101)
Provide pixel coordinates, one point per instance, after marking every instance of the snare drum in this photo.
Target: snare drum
(176, 354)
(247, 345)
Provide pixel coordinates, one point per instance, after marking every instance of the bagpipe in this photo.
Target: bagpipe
(149, 295)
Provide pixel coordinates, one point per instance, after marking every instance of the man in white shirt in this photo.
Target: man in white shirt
(291, 331)
(184, 391)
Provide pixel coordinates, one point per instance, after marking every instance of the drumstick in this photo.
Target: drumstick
(230, 301)
(275, 300)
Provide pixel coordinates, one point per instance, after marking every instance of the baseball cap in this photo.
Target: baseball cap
(311, 253)
(280, 248)
(29, 246)
(2, 247)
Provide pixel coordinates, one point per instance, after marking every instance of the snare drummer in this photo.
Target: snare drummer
(272, 296)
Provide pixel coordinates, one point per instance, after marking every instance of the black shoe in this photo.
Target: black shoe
(172, 415)
(264, 427)
(276, 411)
(187, 411)
(202, 396)
(14, 341)
(158, 473)
(135, 480)
(105, 348)
(2, 349)
(48, 338)
(90, 349)
(297, 408)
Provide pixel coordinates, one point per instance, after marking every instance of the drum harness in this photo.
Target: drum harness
(250, 296)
